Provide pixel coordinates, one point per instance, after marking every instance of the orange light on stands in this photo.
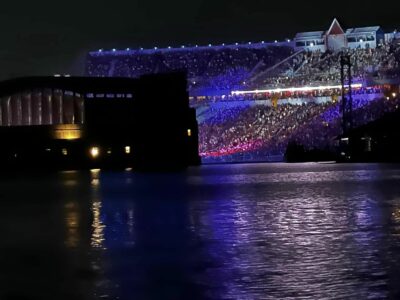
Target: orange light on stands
(189, 132)
(127, 149)
(94, 152)
(67, 132)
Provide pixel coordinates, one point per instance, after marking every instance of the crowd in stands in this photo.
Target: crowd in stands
(217, 68)
(264, 131)
(322, 68)
(261, 124)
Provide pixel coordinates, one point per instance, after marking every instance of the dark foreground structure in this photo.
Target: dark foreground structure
(79, 122)
(377, 141)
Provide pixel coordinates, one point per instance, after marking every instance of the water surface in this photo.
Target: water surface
(256, 231)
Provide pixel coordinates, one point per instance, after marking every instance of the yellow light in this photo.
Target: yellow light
(394, 95)
(94, 152)
(189, 132)
(127, 149)
(66, 132)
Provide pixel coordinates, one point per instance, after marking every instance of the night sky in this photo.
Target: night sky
(49, 36)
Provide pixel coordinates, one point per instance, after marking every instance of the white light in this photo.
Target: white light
(114, 49)
(262, 42)
(197, 46)
(361, 40)
(189, 132)
(141, 48)
(155, 48)
(288, 40)
(312, 44)
(127, 149)
(209, 45)
(57, 75)
(183, 46)
(127, 49)
(295, 89)
(236, 44)
(276, 41)
(100, 50)
(67, 75)
(94, 152)
(64, 151)
(223, 44)
(169, 47)
(249, 43)
(394, 95)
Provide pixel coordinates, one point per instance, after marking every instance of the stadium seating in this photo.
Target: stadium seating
(259, 125)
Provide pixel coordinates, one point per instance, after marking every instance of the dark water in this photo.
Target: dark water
(266, 231)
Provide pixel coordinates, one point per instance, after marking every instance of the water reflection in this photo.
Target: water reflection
(148, 237)
(72, 224)
(218, 232)
(97, 237)
(319, 241)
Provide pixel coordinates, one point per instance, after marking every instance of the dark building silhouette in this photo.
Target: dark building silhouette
(377, 141)
(79, 122)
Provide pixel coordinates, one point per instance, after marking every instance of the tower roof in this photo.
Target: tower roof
(335, 28)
